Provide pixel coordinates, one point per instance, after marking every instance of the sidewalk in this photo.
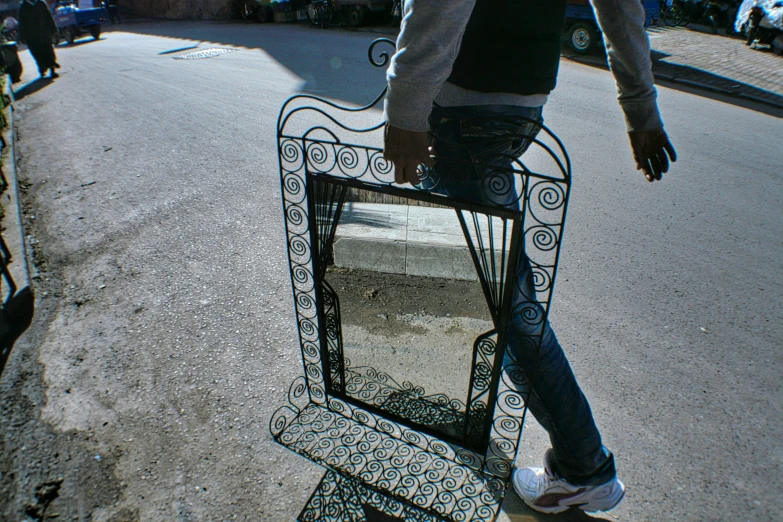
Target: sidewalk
(410, 240)
(717, 63)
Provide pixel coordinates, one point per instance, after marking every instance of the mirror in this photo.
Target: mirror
(404, 306)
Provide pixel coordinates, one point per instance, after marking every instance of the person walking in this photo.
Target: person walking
(37, 30)
(113, 7)
(468, 83)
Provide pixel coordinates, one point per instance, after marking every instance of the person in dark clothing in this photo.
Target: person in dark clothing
(114, 11)
(37, 30)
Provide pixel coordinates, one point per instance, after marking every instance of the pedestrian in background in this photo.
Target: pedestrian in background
(114, 11)
(37, 30)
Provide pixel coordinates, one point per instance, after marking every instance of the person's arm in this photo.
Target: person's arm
(50, 23)
(428, 44)
(628, 48)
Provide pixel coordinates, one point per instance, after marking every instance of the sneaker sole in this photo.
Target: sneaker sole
(604, 504)
(550, 510)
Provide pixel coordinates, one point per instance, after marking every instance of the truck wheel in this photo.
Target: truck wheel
(582, 37)
(356, 17)
(95, 31)
(69, 34)
(264, 14)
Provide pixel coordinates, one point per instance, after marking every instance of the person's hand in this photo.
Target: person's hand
(653, 153)
(407, 150)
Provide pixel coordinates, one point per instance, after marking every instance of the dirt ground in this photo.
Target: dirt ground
(418, 332)
(35, 457)
(365, 296)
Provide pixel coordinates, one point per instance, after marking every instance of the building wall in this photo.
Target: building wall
(176, 9)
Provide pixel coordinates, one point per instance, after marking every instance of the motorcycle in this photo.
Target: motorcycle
(681, 12)
(715, 13)
(9, 51)
(10, 29)
(762, 22)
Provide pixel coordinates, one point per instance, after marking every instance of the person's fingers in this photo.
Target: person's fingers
(656, 166)
(664, 161)
(638, 156)
(647, 171)
(410, 174)
(399, 172)
(387, 143)
(670, 151)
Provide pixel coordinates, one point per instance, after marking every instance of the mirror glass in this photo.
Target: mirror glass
(403, 296)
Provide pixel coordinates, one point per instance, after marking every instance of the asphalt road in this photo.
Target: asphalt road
(165, 336)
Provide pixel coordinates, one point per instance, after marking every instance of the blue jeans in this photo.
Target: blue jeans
(469, 134)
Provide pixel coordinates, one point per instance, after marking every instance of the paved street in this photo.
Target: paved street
(165, 336)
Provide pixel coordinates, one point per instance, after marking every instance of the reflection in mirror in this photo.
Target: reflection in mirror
(404, 308)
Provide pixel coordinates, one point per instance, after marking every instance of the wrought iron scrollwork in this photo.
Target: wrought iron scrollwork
(358, 421)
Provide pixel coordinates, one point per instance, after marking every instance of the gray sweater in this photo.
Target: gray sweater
(429, 42)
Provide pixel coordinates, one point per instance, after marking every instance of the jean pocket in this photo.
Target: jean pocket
(487, 139)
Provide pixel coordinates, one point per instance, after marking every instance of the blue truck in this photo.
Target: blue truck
(77, 18)
(581, 30)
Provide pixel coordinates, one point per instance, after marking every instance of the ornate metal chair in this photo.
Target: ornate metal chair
(408, 452)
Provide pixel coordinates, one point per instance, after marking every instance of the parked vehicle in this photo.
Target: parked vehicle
(715, 13)
(10, 30)
(323, 13)
(76, 21)
(254, 10)
(581, 29)
(762, 22)
(718, 14)
(681, 12)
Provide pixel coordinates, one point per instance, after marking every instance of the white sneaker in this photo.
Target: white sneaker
(544, 491)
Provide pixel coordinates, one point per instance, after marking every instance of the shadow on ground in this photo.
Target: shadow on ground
(306, 51)
(336, 499)
(31, 87)
(516, 511)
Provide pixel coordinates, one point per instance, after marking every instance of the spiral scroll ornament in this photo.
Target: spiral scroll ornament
(391, 443)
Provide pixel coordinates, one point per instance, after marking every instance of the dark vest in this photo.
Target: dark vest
(511, 46)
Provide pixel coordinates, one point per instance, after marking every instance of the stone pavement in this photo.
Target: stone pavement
(718, 63)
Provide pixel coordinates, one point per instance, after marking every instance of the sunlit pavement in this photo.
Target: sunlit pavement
(165, 335)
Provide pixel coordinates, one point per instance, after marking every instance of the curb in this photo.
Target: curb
(412, 241)
(13, 191)
(17, 308)
(717, 90)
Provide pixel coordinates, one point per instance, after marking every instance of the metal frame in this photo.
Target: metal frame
(337, 499)
(396, 454)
